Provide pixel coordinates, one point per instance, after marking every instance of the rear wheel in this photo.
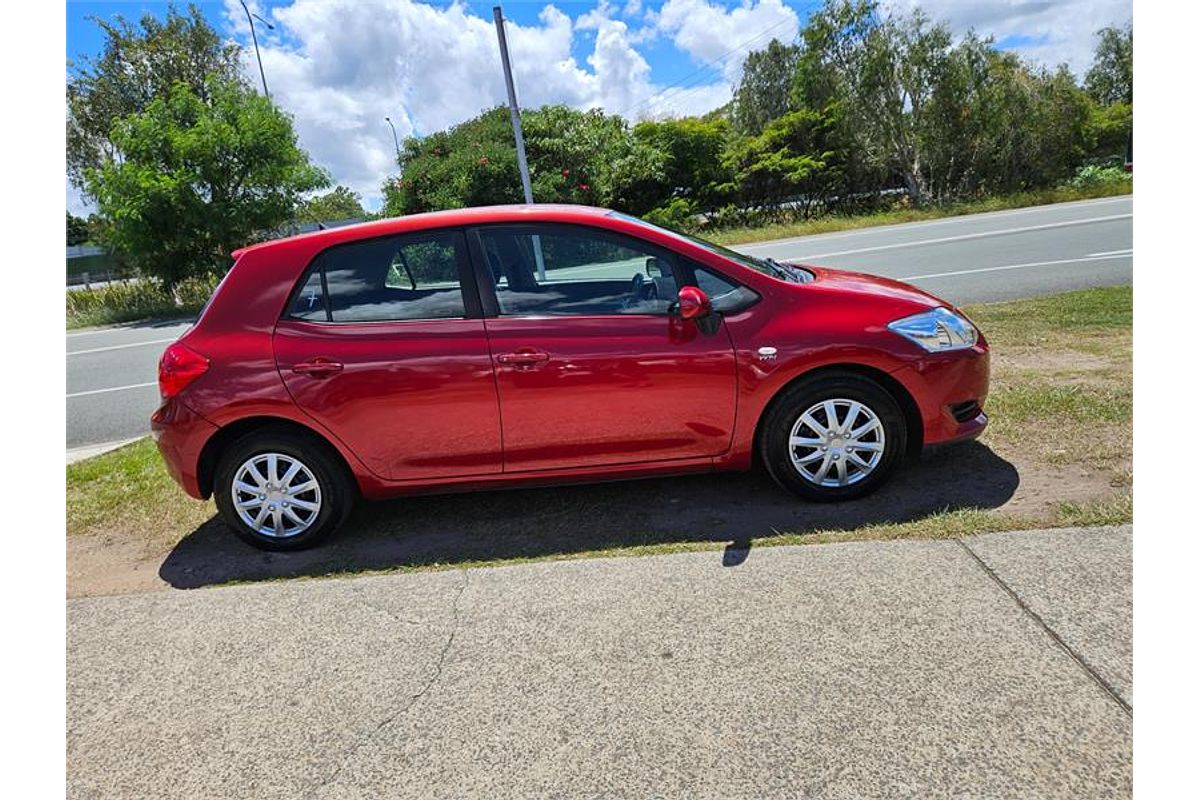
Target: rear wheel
(280, 490)
(834, 437)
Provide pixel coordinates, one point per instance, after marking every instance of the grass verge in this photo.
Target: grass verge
(833, 224)
(136, 301)
(1060, 363)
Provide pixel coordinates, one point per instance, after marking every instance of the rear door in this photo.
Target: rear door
(591, 369)
(383, 344)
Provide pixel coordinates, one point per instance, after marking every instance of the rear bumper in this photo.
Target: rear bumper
(181, 434)
(950, 391)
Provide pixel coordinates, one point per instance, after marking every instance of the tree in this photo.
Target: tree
(199, 177)
(692, 168)
(764, 91)
(138, 65)
(793, 159)
(339, 204)
(77, 230)
(1110, 78)
(574, 157)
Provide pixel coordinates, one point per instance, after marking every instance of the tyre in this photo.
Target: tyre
(833, 437)
(280, 490)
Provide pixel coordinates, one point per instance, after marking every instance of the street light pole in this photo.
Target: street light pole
(513, 109)
(515, 113)
(395, 138)
(250, 18)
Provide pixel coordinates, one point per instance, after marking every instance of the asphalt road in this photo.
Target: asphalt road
(979, 258)
(996, 666)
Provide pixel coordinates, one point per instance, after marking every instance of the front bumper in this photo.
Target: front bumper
(950, 390)
(181, 434)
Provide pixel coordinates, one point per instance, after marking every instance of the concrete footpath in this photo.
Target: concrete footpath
(995, 666)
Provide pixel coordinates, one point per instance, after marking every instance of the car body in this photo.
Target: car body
(515, 360)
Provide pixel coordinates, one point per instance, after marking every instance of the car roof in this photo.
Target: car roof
(478, 215)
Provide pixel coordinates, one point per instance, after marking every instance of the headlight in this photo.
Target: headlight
(937, 330)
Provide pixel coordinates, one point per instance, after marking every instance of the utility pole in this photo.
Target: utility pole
(254, 36)
(515, 113)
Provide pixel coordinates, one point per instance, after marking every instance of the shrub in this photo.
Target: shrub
(133, 300)
(1095, 175)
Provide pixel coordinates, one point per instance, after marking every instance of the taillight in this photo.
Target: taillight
(179, 366)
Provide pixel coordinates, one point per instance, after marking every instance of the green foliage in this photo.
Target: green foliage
(763, 93)
(795, 158)
(138, 65)
(124, 302)
(1096, 175)
(678, 213)
(339, 204)
(683, 159)
(198, 178)
(1107, 131)
(1110, 78)
(77, 230)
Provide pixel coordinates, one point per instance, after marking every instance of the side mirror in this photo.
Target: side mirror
(693, 303)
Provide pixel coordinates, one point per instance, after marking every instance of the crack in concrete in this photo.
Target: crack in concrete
(439, 665)
(1070, 651)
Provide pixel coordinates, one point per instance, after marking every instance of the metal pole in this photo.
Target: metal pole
(515, 112)
(257, 54)
(395, 139)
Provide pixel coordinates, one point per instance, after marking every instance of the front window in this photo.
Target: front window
(767, 266)
(565, 270)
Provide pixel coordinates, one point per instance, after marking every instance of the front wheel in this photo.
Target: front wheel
(834, 437)
(279, 490)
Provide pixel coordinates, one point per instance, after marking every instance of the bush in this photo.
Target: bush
(1094, 175)
(134, 300)
(678, 214)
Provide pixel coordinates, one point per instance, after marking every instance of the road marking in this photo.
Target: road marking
(1126, 251)
(928, 223)
(113, 389)
(966, 236)
(1013, 266)
(118, 347)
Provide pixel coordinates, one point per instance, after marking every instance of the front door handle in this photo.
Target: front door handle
(525, 357)
(318, 368)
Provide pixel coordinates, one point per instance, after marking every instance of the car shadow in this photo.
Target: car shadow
(459, 529)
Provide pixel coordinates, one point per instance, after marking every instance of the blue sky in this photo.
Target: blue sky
(339, 66)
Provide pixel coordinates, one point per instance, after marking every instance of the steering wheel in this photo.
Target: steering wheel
(644, 289)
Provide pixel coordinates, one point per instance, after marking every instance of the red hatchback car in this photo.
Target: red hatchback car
(517, 345)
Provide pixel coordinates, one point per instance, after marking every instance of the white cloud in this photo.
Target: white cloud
(339, 71)
(707, 31)
(1062, 31)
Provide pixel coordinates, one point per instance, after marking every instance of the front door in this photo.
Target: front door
(590, 367)
(384, 348)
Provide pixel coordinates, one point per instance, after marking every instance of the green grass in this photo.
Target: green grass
(129, 489)
(835, 223)
(1039, 383)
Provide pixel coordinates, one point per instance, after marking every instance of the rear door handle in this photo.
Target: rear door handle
(318, 368)
(523, 358)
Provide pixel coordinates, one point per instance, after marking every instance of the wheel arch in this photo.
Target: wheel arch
(908, 406)
(226, 435)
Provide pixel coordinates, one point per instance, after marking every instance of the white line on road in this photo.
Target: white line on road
(1013, 266)
(929, 223)
(118, 347)
(965, 236)
(113, 389)
(1124, 252)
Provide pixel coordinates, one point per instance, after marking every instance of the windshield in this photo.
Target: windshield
(767, 266)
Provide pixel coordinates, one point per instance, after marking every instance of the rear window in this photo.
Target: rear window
(394, 278)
